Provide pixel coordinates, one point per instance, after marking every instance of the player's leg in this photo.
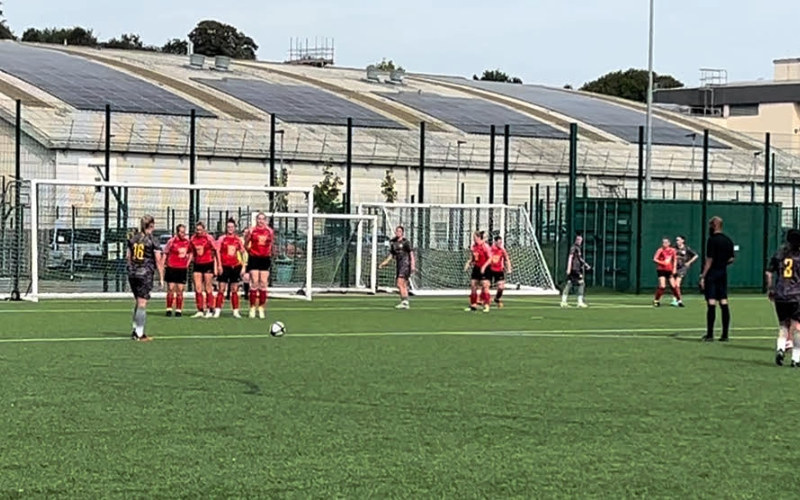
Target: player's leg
(784, 327)
(486, 296)
(501, 287)
(581, 291)
(208, 285)
(565, 292)
(255, 277)
(179, 287)
(722, 292)
(235, 299)
(711, 311)
(222, 289)
(794, 327)
(402, 287)
(199, 294)
(676, 291)
(141, 288)
(473, 294)
(662, 285)
(263, 284)
(171, 287)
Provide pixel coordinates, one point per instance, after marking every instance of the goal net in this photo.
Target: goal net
(442, 235)
(75, 236)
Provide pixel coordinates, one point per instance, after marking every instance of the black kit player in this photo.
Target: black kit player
(400, 250)
(685, 258)
(714, 279)
(576, 267)
(783, 281)
(144, 257)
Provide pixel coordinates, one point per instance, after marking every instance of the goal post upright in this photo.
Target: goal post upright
(34, 196)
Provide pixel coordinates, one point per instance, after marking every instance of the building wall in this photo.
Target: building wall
(787, 69)
(782, 120)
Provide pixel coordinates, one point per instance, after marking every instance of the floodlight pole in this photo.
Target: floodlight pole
(649, 121)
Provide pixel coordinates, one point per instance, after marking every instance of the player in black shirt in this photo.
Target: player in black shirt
(714, 279)
(576, 267)
(400, 250)
(144, 257)
(685, 258)
(783, 281)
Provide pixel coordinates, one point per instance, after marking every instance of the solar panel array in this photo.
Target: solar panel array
(618, 120)
(475, 116)
(88, 85)
(299, 103)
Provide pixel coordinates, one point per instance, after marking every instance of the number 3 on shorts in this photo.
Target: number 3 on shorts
(788, 272)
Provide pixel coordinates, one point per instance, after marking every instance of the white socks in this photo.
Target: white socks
(783, 335)
(796, 347)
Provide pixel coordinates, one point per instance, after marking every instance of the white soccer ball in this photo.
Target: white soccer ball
(277, 329)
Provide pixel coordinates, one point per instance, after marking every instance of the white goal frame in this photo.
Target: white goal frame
(308, 289)
(522, 291)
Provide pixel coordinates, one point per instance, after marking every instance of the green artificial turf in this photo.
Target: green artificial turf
(361, 401)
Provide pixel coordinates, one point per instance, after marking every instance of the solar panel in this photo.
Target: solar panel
(88, 85)
(475, 116)
(618, 120)
(299, 103)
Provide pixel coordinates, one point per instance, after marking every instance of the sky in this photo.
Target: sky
(548, 42)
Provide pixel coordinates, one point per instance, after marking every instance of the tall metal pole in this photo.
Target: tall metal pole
(421, 186)
(506, 152)
(194, 198)
(491, 163)
(106, 197)
(704, 193)
(272, 132)
(348, 186)
(18, 217)
(458, 168)
(573, 180)
(765, 247)
(639, 212)
(649, 125)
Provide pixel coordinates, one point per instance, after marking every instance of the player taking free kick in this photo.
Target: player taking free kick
(231, 250)
(258, 240)
(178, 252)
(143, 257)
(480, 255)
(666, 262)
(497, 269)
(205, 267)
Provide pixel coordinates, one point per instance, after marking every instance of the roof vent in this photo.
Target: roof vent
(196, 61)
(222, 63)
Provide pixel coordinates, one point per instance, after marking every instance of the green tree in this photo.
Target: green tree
(213, 38)
(176, 46)
(495, 75)
(327, 192)
(72, 36)
(630, 84)
(5, 31)
(128, 41)
(388, 189)
(282, 199)
(388, 66)
(568, 87)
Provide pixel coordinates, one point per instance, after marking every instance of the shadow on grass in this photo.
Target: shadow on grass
(738, 361)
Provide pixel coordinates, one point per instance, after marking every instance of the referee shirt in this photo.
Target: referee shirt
(719, 249)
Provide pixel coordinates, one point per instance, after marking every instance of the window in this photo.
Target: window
(744, 110)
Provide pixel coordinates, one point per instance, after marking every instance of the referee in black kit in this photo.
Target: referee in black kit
(714, 279)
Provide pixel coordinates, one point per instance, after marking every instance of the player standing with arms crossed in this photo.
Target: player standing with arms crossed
(783, 281)
(576, 266)
(400, 250)
(685, 258)
(714, 279)
(666, 262)
(206, 265)
(231, 249)
(258, 241)
(497, 269)
(178, 251)
(143, 257)
(480, 254)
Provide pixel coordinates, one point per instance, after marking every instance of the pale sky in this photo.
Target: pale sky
(551, 42)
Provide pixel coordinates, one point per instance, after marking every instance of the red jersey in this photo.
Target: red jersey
(203, 248)
(260, 242)
(499, 258)
(667, 258)
(179, 252)
(231, 249)
(481, 253)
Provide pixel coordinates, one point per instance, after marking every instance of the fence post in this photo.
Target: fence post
(272, 134)
(18, 216)
(704, 199)
(421, 187)
(349, 201)
(491, 163)
(573, 179)
(639, 212)
(765, 247)
(106, 195)
(506, 150)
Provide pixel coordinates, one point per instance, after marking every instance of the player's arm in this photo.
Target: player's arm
(413, 259)
(160, 258)
(657, 257)
(470, 261)
(488, 252)
(569, 263)
(675, 264)
(386, 261)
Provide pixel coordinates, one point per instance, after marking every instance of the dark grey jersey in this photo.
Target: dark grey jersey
(400, 248)
(142, 248)
(578, 264)
(684, 254)
(785, 265)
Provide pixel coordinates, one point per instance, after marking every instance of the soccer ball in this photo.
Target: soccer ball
(277, 329)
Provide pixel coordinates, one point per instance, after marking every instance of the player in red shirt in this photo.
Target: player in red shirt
(479, 259)
(231, 249)
(666, 266)
(497, 269)
(179, 255)
(206, 265)
(258, 241)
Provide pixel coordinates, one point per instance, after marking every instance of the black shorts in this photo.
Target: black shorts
(664, 274)
(255, 263)
(403, 271)
(716, 287)
(175, 275)
(787, 311)
(575, 278)
(230, 275)
(496, 276)
(204, 268)
(141, 285)
(681, 273)
(477, 275)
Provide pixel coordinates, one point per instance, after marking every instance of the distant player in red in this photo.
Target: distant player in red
(480, 255)
(179, 255)
(500, 262)
(206, 265)
(231, 249)
(666, 260)
(258, 240)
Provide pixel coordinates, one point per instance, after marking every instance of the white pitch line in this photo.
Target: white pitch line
(637, 333)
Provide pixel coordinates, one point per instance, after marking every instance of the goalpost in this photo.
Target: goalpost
(441, 235)
(76, 235)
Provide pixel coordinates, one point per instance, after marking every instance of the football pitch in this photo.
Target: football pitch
(359, 400)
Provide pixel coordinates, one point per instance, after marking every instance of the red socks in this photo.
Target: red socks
(486, 297)
(235, 300)
(473, 298)
(262, 297)
(198, 297)
(253, 297)
(179, 301)
(220, 299)
(676, 292)
(170, 300)
(659, 293)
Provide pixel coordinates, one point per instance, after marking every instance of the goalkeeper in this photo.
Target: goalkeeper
(576, 267)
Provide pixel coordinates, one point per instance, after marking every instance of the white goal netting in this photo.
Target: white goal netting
(75, 247)
(441, 236)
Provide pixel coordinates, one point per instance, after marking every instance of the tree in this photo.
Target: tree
(213, 38)
(128, 41)
(388, 189)
(327, 192)
(631, 84)
(72, 36)
(176, 46)
(568, 87)
(5, 31)
(495, 75)
(388, 66)
(282, 199)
